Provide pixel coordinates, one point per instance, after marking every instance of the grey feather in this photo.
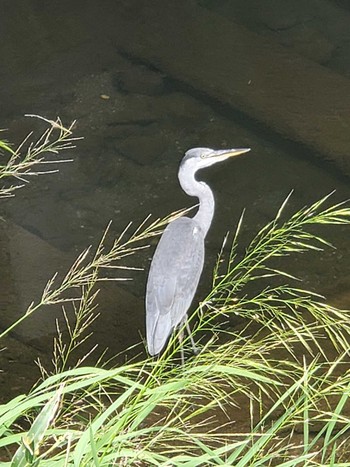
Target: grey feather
(172, 281)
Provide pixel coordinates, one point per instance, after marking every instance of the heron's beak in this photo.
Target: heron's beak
(225, 153)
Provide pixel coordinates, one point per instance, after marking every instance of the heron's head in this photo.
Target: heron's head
(199, 158)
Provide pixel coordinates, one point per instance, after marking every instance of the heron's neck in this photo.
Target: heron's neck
(201, 190)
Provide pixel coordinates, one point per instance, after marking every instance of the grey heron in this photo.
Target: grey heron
(179, 257)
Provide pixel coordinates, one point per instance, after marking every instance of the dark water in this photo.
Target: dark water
(62, 58)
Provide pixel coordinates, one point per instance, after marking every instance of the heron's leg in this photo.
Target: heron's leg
(194, 348)
(181, 340)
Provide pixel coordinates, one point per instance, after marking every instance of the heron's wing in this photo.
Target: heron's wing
(173, 279)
